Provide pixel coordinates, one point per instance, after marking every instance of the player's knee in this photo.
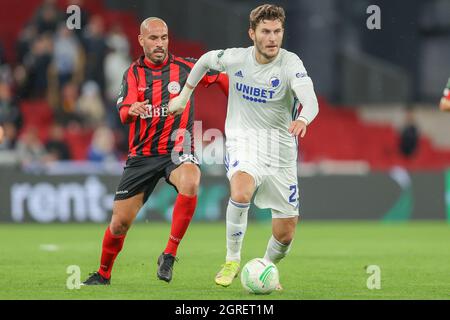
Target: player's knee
(241, 196)
(242, 187)
(119, 226)
(241, 193)
(189, 182)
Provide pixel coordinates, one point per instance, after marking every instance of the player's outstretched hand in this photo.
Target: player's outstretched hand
(138, 108)
(177, 105)
(298, 127)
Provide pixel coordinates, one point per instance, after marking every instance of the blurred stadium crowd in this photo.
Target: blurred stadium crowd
(70, 79)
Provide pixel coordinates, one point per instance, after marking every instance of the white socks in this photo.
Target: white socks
(237, 214)
(276, 250)
(236, 226)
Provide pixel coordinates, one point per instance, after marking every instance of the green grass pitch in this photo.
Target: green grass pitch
(327, 261)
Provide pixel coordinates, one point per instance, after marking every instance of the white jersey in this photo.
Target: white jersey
(261, 104)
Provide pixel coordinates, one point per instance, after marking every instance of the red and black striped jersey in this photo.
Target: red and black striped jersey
(160, 133)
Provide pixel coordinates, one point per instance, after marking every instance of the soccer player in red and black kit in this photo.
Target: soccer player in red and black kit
(160, 145)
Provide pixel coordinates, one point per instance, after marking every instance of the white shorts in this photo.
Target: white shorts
(277, 188)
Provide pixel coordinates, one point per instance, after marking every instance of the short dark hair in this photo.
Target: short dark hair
(266, 12)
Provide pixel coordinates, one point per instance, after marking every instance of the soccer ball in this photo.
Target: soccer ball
(259, 276)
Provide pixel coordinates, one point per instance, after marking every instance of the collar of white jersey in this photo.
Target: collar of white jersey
(264, 64)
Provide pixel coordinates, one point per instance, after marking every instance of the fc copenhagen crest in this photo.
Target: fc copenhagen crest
(274, 82)
(174, 87)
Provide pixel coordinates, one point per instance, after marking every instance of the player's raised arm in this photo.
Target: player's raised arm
(219, 78)
(206, 62)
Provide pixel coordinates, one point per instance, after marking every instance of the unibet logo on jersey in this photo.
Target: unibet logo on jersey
(254, 94)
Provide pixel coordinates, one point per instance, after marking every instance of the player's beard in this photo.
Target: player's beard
(157, 60)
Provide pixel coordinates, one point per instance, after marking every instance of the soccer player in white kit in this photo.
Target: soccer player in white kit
(267, 84)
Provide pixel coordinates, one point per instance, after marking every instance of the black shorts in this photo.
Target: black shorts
(141, 174)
